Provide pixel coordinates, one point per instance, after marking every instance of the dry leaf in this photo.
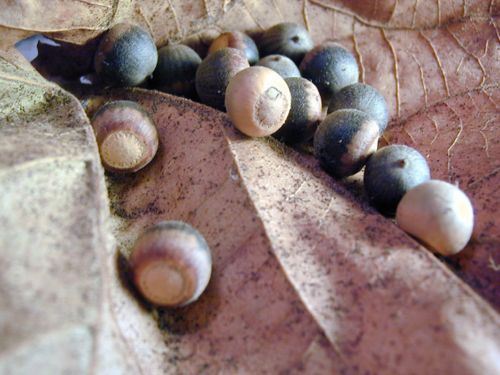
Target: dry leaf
(297, 259)
(435, 63)
(56, 266)
(308, 278)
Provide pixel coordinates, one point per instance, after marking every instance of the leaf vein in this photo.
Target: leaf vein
(439, 62)
(358, 52)
(396, 72)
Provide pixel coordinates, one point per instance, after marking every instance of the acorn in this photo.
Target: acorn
(305, 112)
(330, 67)
(258, 101)
(171, 264)
(344, 140)
(439, 214)
(126, 55)
(176, 70)
(214, 73)
(289, 39)
(238, 40)
(365, 98)
(391, 172)
(126, 136)
(91, 104)
(282, 65)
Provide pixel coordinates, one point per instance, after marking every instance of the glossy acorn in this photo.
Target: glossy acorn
(282, 65)
(391, 172)
(439, 214)
(176, 70)
(344, 140)
(126, 136)
(214, 73)
(288, 39)
(238, 40)
(258, 101)
(305, 112)
(126, 55)
(365, 98)
(171, 264)
(330, 67)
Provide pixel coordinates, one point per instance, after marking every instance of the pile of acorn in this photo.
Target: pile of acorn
(282, 94)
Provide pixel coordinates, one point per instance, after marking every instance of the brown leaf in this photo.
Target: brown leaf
(80, 20)
(308, 279)
(428, 58)
(250, 319)
(56, 252)
(298, 261)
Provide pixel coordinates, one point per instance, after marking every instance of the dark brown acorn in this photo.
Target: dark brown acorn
(305, 112)
(344, 140)
(126, 55)
(365, 98)
(287, 38)
(330, 67)
(176, 70)
(238, 40)
(282, 65)
(391, 172)
(214, 73)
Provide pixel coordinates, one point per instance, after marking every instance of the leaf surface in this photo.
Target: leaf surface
(298, 259)
(56, 251)
(308, 278)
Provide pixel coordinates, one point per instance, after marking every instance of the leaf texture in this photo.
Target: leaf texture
(298, 260)
(308, 278)
(56, 252)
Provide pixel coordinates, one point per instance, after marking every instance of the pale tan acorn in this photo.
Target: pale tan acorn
(258, 101)
(439, 214)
